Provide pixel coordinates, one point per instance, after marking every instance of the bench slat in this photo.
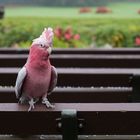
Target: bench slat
(79, 77)
(80, 107)
(76, 51)
(100, 118)
(76, 60)
(77, 95)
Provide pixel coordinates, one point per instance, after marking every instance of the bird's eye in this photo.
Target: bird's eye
(42, 45)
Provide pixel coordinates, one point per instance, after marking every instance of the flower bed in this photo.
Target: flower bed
(67, 36)
(139, 11)
(85, 10)
(103, 10)
(71, 33)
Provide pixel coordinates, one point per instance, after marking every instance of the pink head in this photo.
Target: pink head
(45, 40)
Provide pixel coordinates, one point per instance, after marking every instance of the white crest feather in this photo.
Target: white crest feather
(45, 38)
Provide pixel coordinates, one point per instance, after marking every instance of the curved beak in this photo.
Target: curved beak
(49, 50)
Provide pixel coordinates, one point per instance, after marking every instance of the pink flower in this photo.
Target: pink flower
(137, 41)
(76, 37)
(67, 36)
(58, 32)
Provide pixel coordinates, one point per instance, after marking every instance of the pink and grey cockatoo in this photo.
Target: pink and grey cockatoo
(38, 77)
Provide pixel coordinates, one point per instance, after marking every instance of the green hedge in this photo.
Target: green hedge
(116, 32)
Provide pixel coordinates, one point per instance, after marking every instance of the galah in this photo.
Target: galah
(37, 78)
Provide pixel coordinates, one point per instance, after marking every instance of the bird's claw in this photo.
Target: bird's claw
(47, 103)
(30, 108)
(31, 103)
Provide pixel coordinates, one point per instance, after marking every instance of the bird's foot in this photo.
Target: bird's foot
(31, 103)
(47, 103)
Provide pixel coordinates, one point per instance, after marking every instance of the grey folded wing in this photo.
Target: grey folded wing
(19, 82)
(53, 81)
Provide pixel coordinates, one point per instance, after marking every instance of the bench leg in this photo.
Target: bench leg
(135, 82)
(69, 124)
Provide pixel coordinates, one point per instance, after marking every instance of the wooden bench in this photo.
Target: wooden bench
(88, 101)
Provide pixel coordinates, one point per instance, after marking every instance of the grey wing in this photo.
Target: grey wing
(53, 81)
(19, 81)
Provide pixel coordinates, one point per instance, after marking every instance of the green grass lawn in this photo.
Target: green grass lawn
(120, 10)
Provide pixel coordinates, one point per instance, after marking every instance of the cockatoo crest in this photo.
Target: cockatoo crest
(45, 38)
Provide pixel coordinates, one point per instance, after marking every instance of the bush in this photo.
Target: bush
(117, 36)
(67, 36)
(21, 33)
(71, 33)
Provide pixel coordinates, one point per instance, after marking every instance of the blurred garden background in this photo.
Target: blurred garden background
(76, 23)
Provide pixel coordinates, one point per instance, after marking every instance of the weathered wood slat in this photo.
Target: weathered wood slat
(100, 118)
(13, 51)
(79, 77)
(97, 51)
(77, 60)
(76, 51)
(85, 107)
(77, 95)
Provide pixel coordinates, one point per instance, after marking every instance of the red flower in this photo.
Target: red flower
(68, 33)
(76, 37)
(137, 41)
(67, 36)
(58, 32)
